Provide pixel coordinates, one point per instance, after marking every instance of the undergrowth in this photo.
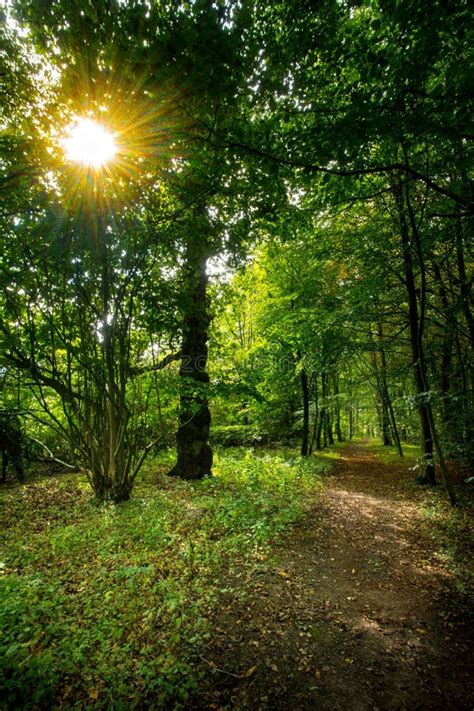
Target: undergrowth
(107, 606)
(451, 532)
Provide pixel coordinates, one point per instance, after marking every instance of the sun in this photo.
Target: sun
(89, 143)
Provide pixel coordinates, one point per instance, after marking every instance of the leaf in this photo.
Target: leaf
(250, 672)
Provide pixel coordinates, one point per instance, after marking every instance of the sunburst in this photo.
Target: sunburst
(89, 143)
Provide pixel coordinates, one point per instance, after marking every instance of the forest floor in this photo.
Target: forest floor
(361, 606)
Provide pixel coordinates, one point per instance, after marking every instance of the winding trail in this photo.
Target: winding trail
(352, 616)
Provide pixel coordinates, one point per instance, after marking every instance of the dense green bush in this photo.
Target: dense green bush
(235, 435)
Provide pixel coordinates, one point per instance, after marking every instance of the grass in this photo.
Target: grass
(107, 606)
(332, 451)
(411, 452)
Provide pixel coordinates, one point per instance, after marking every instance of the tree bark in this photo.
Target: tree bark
(386, 393)
(305, 394)
(194, 454)
(415, 340)
(416, 337)
(316, 413)
(321, 433)
(329, 433)
(463, 281)
(338, 429)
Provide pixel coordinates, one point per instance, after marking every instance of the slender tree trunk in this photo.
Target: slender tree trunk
(448, 415)
(386, 393)
(380, 398)
(416, 341)
(351, 422)
(305, 394)
(194, 454)
(463, 281)
(319, 439)
(387, 441)
(337, 423)
(416, 332)
(330, 436)
(467, 390)
(316, 414)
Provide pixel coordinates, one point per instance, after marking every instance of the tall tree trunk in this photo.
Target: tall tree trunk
(194, 454)
(466, 372)
(448, 413)
(305, 394)
(316, 413)
(416, 333)
(386, 393)
(416, 340)
(330, 436)
(429, 410)
(386, 439)
(463, 281)
(380, 399)
(337, 424)
(321, 439)
(351, 421)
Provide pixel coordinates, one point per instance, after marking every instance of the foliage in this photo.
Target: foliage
(451, 534)
(108, 605)
(234, 435)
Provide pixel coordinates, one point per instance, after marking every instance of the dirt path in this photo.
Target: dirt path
(351, 616)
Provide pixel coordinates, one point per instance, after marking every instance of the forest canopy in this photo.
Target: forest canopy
(256, 212)
(236, 354)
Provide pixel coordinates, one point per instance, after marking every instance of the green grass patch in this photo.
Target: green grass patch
(411, 452)
(332, 451)
(107, 606)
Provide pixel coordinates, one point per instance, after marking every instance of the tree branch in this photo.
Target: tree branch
(157, 366)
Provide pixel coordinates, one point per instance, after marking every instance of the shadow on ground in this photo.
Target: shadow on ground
(354, 613)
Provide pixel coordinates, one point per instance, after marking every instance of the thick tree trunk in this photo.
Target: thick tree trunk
(194, 454)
